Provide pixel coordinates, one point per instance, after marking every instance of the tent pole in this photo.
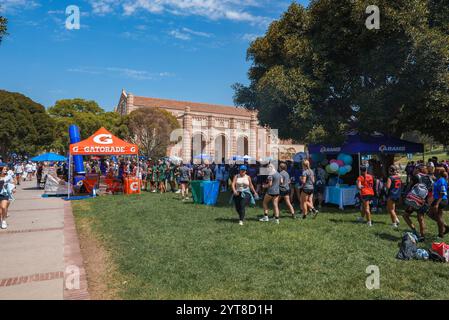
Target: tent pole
(70, 175)
(360, 163)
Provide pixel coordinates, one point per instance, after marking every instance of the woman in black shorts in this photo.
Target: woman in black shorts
(272, 194)
(307, 189)
(284, 189)
(394, 191)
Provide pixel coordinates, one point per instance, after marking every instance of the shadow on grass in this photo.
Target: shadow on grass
(354, 221)
(388, 237)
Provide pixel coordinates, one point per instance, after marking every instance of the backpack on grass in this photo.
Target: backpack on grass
(416, 198)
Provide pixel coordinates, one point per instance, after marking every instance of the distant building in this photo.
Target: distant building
(220, 132)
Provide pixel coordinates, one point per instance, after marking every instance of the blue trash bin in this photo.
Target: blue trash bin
(211, 189)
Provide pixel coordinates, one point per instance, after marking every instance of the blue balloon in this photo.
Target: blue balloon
(342, 171)
(346, 158)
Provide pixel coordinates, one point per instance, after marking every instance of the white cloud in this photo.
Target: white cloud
(198, 33)
(180, 35)
(235, 10)
(186, 34)
(250, 36)
(126, 73)
(13, 6)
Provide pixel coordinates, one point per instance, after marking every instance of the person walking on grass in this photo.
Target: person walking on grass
(440, 201)
(394, 191)
(307, 189)
(284, 189)
(161, 176)
(421, 179)
(365, 185)
(185, 175)
(243, 190)
(273, 184)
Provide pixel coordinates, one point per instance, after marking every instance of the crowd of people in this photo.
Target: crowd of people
(11, 175)
(423, 190)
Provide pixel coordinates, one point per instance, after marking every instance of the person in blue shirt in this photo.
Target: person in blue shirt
(440, 201)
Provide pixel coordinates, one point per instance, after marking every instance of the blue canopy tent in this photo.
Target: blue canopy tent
(369, 144)
(49, 157)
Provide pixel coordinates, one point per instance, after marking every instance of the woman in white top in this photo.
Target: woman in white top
(242, 188)
(4, 196)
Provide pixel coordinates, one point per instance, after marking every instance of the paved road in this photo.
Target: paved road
(34, 251)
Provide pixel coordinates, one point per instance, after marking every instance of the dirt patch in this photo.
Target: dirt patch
(102, 277)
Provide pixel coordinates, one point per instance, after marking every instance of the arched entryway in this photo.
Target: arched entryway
(242, 146)
(221, 149)
(199, 143)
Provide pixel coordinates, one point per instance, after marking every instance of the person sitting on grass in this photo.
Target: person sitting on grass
(365, 185)
(242, 189)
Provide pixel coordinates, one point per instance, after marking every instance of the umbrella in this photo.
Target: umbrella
(49, 157)
(203, 157)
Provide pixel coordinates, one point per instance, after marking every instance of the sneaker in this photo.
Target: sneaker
(264, 219)
(293, 216)
(241, 222)
(304, 217)
(421, 239)
(395, 225)
(360, 219)
(276, 221)
(315, 213)
(178, 191)
(4, 225)
(370, 224)
(154, 191)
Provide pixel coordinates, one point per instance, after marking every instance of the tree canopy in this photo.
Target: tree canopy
(3, 27)
(150, 128)
(319, 72)
(88, 116)
(26, 127)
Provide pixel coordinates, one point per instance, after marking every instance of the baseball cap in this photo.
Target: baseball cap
(243, 168)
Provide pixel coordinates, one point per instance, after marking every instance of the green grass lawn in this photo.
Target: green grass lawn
(167, 249)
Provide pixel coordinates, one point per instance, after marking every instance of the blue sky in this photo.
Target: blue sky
(178, 49)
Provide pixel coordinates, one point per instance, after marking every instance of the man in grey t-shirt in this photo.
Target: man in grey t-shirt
(206, 173)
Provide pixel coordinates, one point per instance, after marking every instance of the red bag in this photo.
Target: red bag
(442, 249)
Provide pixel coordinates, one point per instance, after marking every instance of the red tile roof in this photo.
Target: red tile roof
(194, 106)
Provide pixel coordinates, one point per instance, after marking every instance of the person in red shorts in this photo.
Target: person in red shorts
(365, 184)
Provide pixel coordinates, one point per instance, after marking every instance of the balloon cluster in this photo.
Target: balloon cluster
(341, 166)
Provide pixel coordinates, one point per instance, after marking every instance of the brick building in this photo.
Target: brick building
(218, 131)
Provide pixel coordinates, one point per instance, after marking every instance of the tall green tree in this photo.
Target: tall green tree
(3, 27)
(26, 128)
(319, 72)
(150, 129)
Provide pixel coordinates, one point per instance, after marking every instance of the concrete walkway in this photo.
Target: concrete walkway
(39, 252)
